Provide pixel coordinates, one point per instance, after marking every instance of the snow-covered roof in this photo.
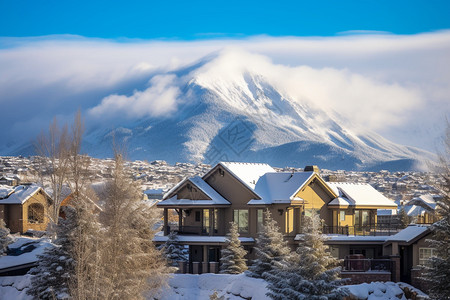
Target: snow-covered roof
(408, 234)
(20, 194)
(427, 200)
(280, 187)
(359, 194)
(201, 239)
(247, 173)
(5, 191)
(215, 198)
(414, 210)
(339, 238)
(386, 212)
(38, 246)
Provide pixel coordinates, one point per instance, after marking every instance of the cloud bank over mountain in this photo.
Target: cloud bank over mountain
(395, 85)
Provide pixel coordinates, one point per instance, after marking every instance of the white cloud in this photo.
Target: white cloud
(397, 85)
(156, 100)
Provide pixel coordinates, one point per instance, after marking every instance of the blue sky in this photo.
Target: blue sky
(190, 20)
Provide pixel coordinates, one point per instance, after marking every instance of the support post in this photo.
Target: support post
(166, 222)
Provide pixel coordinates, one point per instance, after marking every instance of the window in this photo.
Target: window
(259, 219)
(36, 213)
(240, 217)
(342, 215)
(206, 220)
(289, 220)
(197, 216)
(425, 254)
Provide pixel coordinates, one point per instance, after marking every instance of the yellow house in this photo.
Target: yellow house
(240, 192)
(24, 207)
(355, 208)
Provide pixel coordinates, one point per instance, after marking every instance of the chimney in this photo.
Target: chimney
(312, 169)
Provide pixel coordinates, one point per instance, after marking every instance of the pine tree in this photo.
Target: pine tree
(5, 237)
(404, 219)
(132, 264)
(232, 256)
(56, 266)
(270, 248)
(70, 268)
(173, 250)
(310, 272)
(437, 273)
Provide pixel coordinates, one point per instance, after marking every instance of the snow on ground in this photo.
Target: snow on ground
(238, 287)
(233, 287)
(15, 287)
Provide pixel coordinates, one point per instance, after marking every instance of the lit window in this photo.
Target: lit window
(241, 219)
(342, 215)
(425, 254)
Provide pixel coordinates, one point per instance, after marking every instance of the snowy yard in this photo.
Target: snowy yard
(234, 287)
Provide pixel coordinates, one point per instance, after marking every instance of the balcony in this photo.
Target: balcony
(365, 230)
(191, 230)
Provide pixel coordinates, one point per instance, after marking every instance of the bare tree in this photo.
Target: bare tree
(52, 149)
(60, 164)
(133, 266)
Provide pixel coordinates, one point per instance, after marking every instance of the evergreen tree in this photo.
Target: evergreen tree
(232, 256)
(173, 250)
(70, 268)
(56, 266)
(270, 248)
(403, 217)
(310, 272)
(132, 264)
(5, 237)
(437, 273)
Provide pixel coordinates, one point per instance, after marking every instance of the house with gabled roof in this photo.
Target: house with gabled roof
(24, 207)
(240, 192)
(355, 209)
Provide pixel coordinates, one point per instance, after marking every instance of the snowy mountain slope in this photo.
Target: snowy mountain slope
(235, 111)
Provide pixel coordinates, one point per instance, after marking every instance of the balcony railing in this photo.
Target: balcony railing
(191, 230)
(367, 265)
(372, 230)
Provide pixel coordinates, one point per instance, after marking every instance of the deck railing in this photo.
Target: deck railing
(373, 230)
(366, 265)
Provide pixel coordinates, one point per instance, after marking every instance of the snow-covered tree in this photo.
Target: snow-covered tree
(233, 255)
(5, 237)
(56, 266)
(270, 248)
(403, 218)
(132, 263)
(173, 250)
(437, 273)
(70, 269)
(310, 272)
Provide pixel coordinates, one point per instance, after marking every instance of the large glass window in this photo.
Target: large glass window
(206, 220)
(241, 219)
(425, 254)
(259, 219)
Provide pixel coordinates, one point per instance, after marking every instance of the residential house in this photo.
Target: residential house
(355, 210)
(422, 209)
(240, 192)
(24, 207)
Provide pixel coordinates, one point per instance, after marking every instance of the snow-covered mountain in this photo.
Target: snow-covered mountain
(229, 107)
